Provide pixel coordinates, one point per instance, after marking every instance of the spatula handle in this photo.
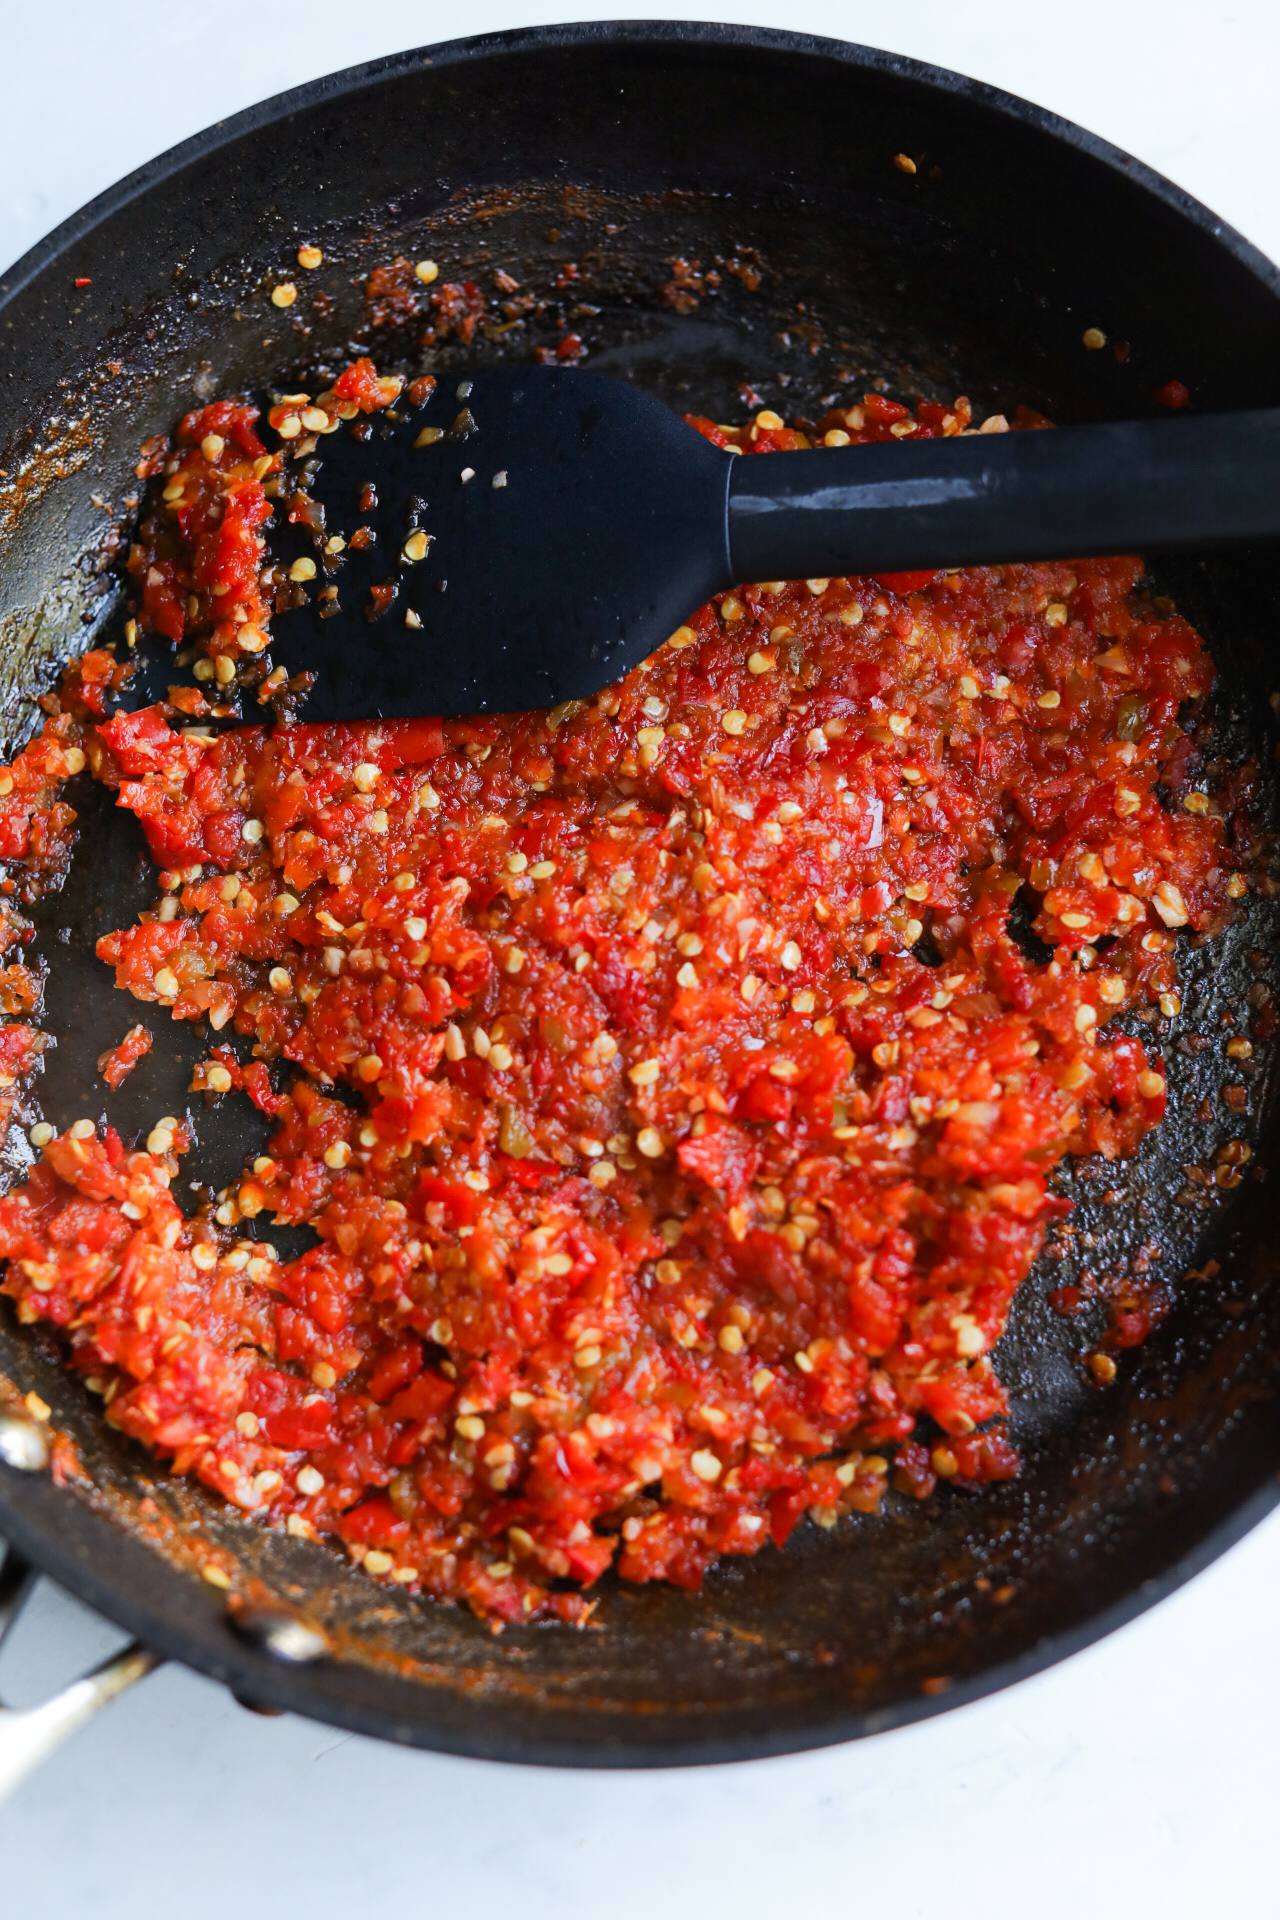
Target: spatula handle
(1131, 486)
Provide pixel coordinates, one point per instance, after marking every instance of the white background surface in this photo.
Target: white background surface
(1137, 1780)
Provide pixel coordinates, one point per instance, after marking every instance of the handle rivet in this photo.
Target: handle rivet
(283, 1635)
(23, 1444)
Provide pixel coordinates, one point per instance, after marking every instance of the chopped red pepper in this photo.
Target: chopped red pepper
(678, 1186)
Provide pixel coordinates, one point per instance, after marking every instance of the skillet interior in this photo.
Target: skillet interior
(976, 274)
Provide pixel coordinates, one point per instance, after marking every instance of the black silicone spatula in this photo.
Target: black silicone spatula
(529, 534)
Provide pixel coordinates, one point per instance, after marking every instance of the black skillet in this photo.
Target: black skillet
(731, 203)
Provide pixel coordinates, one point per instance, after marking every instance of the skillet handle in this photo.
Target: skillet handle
(28, 1735)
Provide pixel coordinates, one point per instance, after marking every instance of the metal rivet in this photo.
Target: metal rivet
(281, 1634)
(23, 1444)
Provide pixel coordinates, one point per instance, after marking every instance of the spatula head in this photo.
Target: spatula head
(536, 532)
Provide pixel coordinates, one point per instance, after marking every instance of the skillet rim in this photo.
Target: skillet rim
(58, 1536)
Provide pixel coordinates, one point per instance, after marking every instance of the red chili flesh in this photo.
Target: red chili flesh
(706, 1102)
(117, 1063)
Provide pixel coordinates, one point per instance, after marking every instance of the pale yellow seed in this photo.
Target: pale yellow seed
(1169, 904)
(734, 721)
(499, 1057)
(284, 295)
(310, 1481)
(706, 1465)
(1049, 700)
(427, 271)
(338, 1155)
(365, 777)
(469, 1426)
(218, 1080)
(730, 1340)
(644, 1073)
(650, 1143)
(1094, 338)
(415, 547)
(309, 257)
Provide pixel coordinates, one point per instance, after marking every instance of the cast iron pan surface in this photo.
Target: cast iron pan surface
(626, 150)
